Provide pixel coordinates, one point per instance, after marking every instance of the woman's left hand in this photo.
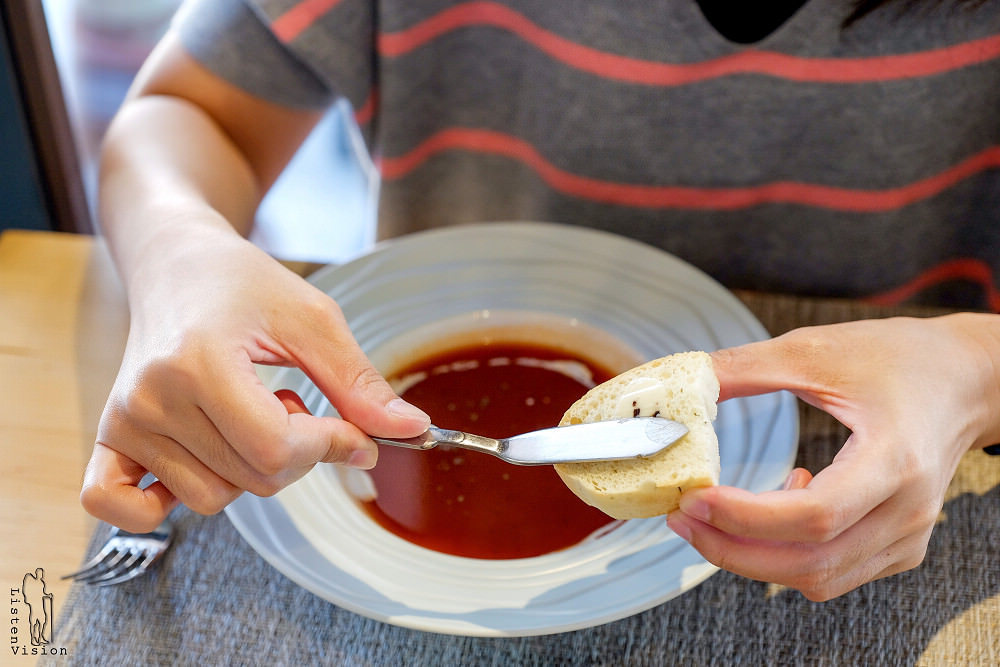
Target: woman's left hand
(916, 394)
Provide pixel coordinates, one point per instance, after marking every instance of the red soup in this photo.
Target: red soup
(472, 504)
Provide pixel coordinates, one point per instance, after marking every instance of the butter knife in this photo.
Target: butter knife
(636, 437)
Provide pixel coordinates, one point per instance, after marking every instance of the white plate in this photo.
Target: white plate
(314, 532)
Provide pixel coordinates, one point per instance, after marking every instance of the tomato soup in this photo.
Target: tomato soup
(472, 504)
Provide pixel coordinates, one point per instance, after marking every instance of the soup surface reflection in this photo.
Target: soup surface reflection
(472, 504)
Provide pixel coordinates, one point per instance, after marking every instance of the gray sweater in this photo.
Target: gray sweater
(820, 160)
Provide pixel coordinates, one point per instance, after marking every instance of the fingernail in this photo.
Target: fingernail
(363, 459)
(397, 407)
(697, 509)
(797, 479)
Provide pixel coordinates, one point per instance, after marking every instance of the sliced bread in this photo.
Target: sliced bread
(681, 387)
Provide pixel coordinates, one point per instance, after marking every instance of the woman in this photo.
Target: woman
(812, 148)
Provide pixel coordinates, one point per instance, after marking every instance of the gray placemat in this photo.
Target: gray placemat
(213, 600)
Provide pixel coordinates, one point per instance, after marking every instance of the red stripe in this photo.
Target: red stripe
(364, 113)
(651, 196)
(616, 67)
(973, 270)
(297, 20)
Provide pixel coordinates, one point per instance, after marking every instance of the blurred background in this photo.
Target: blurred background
(322, 209)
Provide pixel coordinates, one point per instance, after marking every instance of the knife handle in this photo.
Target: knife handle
(434, 436)
(423, 441)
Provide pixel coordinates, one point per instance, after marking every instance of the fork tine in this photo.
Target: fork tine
(94, 564)
(125, 556)
(113, 566)
(130, 573)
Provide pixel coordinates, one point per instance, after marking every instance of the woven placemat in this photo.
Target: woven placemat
(213, 600)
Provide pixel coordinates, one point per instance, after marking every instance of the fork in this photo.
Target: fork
(125, 556)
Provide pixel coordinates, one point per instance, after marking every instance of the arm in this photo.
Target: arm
(916, 394)
(183, 168)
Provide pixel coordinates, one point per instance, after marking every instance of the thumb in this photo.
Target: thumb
(367, 401)
(340, 369)
(786, 362)
(743, 370)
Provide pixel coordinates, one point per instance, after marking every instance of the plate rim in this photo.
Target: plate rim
(785, 407)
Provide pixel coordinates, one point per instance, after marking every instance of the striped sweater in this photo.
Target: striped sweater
(861, 162)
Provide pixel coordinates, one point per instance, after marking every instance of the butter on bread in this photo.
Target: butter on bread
(682, 387)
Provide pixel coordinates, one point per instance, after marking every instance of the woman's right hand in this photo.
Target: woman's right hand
(184, 165)
(187, 405)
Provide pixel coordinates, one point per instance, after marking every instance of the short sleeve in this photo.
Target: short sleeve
(231, 40)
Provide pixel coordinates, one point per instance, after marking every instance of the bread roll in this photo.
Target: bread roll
(681, 387)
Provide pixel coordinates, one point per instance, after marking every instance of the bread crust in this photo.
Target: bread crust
(682, 387)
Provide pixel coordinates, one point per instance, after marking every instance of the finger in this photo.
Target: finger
(803, 567)
(179, 473)
(336, 364)
(905, 555)
(809, 568)
(200, 436)
(881, 544)
(111, 486)
(902, 555)
(790, 515)
(793, 361)
(269, 437)
(836, 498)
(292, 402)
(799, 478)
(745, 370)
(111, 492)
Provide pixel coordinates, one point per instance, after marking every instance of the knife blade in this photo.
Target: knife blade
(636, 437)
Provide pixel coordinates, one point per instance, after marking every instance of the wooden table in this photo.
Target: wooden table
(63, 324)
